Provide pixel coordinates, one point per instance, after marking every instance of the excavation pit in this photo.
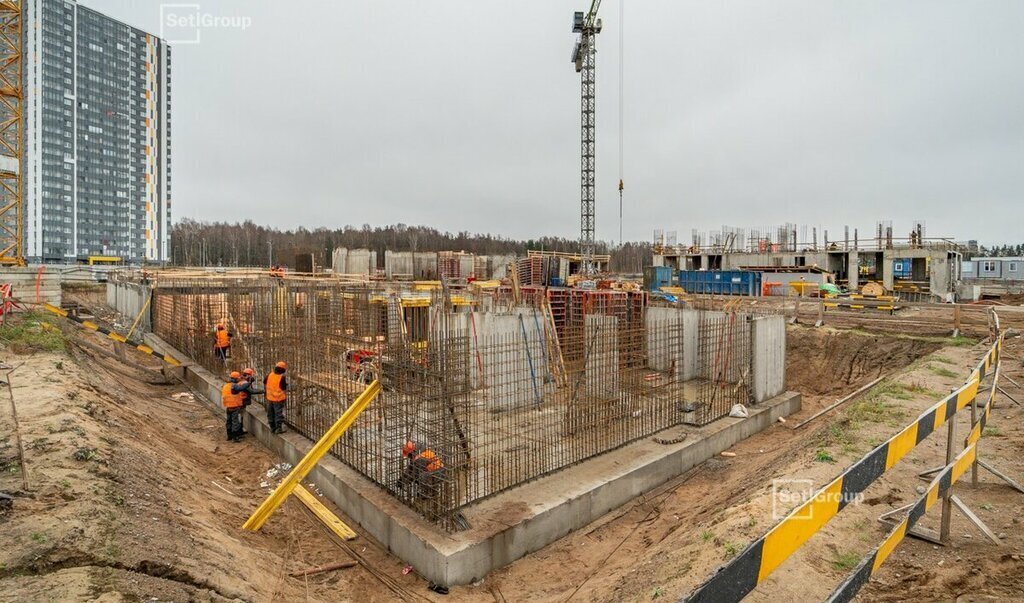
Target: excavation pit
(544, 410)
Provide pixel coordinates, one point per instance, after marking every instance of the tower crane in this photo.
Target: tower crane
(587, 25)
(12, 132)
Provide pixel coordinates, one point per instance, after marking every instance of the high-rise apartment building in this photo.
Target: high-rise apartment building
(97, 170)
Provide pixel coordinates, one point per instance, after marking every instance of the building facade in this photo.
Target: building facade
(97, 175)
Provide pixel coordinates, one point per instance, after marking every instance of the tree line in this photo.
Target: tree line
(196, 243)
(1001, 251)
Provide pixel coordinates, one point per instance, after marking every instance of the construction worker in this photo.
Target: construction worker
(275, 388)
(246, 389)
(424, 472)
(222, 343)
(232, 402)
(277, 271)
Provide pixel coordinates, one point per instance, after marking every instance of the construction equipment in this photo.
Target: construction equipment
(12, 132)
(584, 57)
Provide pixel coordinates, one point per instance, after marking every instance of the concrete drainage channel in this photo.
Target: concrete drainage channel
(558, 504)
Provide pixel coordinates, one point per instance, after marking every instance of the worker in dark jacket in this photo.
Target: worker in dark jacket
(246, 388)
(232, 402)
(222, 343)
(275, 388)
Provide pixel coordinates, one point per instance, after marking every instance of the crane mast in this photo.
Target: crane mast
(12, 132)
(584, 57)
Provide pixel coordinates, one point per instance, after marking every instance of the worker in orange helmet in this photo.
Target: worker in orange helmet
(232, 401)
(275, 389)
(222, 343)
(424, 472)
(246, 388)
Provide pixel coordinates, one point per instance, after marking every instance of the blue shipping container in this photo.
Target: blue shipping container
(721, 282)
(656, 277)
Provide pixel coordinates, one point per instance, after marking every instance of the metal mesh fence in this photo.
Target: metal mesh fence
(498, 397)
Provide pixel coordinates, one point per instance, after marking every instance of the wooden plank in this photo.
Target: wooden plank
(324, 514)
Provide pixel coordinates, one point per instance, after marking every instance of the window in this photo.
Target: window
(1012, 267)
(988, 266)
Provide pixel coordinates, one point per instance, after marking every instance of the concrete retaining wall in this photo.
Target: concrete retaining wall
(128, 299)
(33, 284)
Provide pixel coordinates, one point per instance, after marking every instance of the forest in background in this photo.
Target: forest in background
(195, 243)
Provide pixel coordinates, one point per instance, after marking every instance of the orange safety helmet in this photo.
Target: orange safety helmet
(282, 365)
(248, 372)
(236, 375)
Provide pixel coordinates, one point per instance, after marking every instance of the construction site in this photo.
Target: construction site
(758, 414)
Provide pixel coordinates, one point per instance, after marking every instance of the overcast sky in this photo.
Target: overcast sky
(464, 115)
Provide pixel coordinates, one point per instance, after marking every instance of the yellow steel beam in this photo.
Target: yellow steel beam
(324, 514)
(302, 469)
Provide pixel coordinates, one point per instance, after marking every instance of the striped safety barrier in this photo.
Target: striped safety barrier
(138, 345)
(735, 580)
(938, 488)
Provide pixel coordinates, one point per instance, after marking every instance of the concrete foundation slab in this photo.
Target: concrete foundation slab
(513, 523)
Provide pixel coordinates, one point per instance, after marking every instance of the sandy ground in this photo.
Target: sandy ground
(134, 495)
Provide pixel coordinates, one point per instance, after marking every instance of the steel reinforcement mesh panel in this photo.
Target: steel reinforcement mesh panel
(501, 397)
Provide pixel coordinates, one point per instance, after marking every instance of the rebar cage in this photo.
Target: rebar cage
(499, 396)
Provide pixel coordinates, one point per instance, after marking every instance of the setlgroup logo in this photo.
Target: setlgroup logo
(184, 23)
(788, 494)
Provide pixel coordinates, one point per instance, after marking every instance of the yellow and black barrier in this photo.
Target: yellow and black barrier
(936, 490)
(138, 345)
(735, 580)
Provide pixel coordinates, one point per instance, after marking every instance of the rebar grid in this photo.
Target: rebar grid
(501, 397)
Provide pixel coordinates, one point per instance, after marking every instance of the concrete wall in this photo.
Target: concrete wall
(33, 284)
(409, 264)
(508, 354)
(353, 261)
(128, 299)
(769, 355)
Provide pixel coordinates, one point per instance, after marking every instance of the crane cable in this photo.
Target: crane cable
(622, 12)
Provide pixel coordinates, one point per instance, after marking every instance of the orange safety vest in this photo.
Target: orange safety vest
(432, 461)
(223, 340)
(274, 392)
(228, 399)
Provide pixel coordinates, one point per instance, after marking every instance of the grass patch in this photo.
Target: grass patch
(25, 334)
(844, 562)
(824, 456)
(992, 431)
(942, 359)
(873, 409)
(38, 537)
(707, 535)
(731, 548)
(942, 371)
(959, 341)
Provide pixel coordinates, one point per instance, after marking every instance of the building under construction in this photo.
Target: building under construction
(913, 265)
(506, 386)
